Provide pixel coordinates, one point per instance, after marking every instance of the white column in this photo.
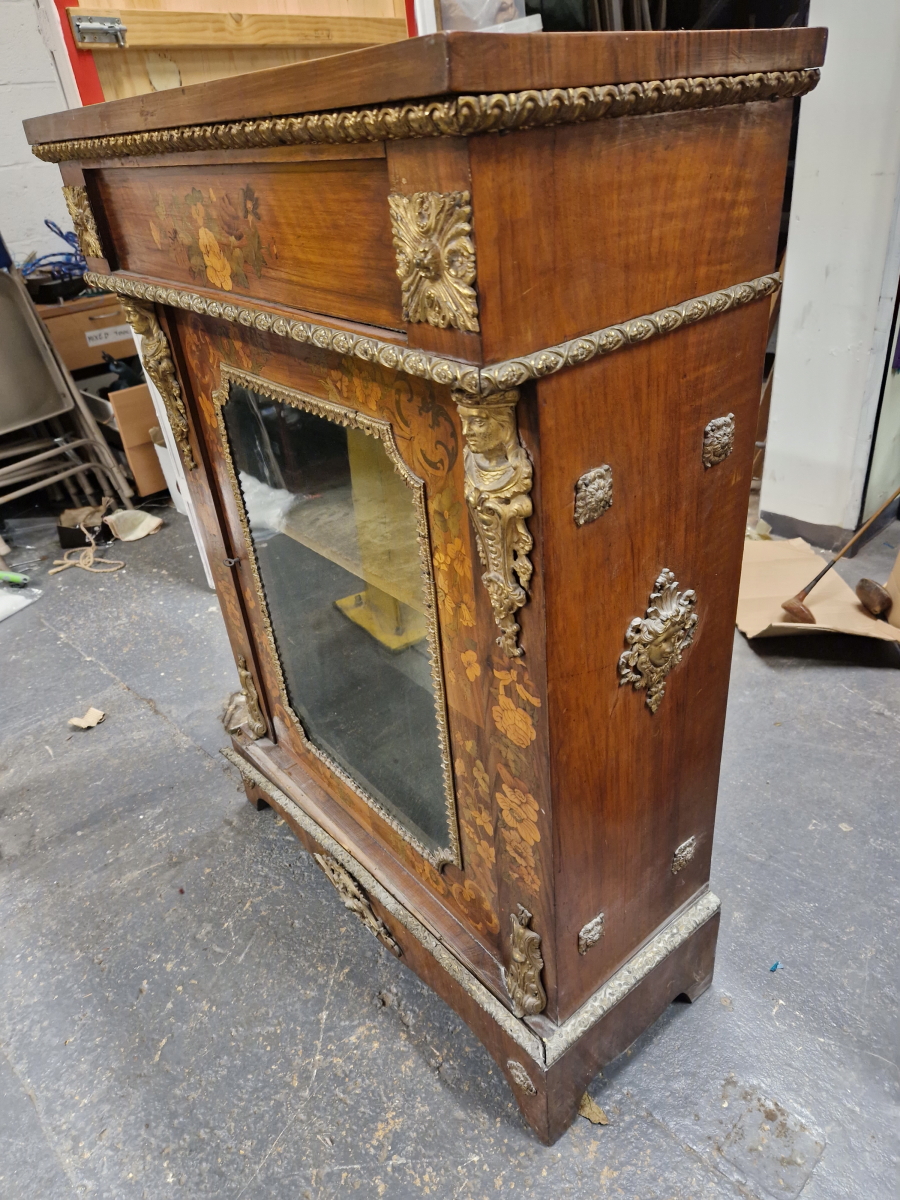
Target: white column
(841, 275)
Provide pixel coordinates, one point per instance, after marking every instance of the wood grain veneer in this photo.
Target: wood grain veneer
(445, 63)
(572, 795)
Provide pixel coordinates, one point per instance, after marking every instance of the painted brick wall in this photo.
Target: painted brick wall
(29, 86)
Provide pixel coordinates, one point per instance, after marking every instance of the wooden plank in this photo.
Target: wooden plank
(149, 30)
(447, 62)
(138, 72)
(306, 8)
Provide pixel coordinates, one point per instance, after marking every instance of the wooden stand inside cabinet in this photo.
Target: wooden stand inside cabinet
(461, 340)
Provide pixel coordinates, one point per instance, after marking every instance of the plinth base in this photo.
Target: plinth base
(548, 1072)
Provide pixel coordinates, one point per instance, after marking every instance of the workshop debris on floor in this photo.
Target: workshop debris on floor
(188, 1010)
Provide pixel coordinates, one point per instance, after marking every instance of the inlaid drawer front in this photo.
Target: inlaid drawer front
(314, 236)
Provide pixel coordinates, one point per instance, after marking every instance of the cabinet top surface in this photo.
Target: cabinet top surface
(445, 64)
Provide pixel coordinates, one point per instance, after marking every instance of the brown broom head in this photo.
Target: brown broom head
(873, 597)
(797, 611)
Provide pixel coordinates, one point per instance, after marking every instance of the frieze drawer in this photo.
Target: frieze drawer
(309, 235)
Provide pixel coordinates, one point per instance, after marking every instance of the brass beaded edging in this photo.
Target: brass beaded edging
(457, 116)
(516, 371)
(627, 978)
(397, 358)
(544, 1051)
(378, 428)
(463, 377)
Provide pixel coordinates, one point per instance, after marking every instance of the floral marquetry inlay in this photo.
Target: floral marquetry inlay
(215, 234)
(436, 258)
(657, 640)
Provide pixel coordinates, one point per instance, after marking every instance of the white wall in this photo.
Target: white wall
(29, 86)
(884, 478)
(426, 17)
(841, 271)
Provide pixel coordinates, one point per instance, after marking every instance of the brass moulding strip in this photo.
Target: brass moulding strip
(627, 978)
(456, 116)
(516, 371)
(380, 429)
(463, 377)
(544, 1051)
(369, 349)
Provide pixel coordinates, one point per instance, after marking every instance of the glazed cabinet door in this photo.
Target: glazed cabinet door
(342, 491)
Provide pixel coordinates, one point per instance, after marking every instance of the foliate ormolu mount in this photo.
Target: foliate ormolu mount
(523, 976)
(658, 639)
(86, 231)
(159, 366)
(593, 494)
(718, 440)
(354, 898)
(255, 722)
(436, 258)
(498, 493)
(591, 933)
(520, 1077)
(683, 855)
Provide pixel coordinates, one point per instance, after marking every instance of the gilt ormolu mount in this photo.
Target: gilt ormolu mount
(505, 487)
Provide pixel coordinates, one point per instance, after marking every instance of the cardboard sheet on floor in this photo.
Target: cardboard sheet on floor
(135, 415)
(774, 571)
(893, 587)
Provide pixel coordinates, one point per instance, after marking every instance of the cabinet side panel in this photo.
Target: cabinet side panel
(631, 785)
(584, 226)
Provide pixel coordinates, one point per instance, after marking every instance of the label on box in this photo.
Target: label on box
(112, 333)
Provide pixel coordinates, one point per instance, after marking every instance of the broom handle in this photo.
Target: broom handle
(809, 587)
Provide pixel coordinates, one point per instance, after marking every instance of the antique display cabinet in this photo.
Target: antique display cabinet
(461, 340)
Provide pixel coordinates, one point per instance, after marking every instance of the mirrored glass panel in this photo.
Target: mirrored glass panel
(335, 519)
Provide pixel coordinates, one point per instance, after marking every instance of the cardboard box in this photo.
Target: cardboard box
(135, 417)
(82, 329)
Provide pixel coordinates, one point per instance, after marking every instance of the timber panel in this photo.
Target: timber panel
(584, 226)
(629, 785)
(314, 235)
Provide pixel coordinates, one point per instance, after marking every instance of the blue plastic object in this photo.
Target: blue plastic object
(60, 265)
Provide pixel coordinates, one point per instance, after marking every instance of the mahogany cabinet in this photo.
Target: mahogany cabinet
(461, 340)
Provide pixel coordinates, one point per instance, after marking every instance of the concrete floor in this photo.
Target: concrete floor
(187, 1010)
